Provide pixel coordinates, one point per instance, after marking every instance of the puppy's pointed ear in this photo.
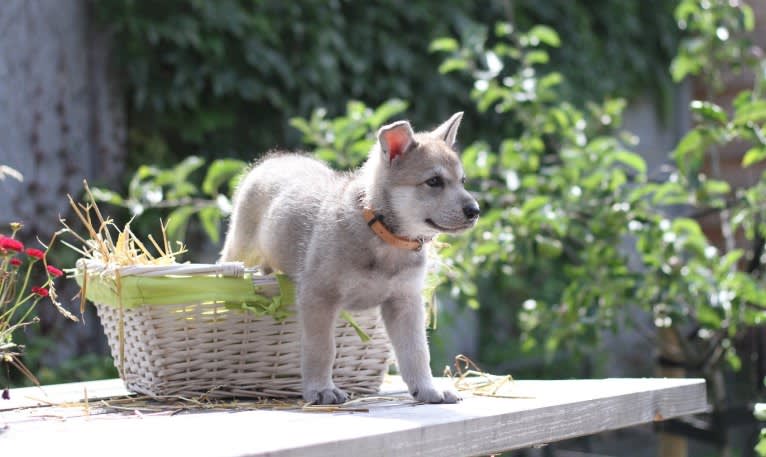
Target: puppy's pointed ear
(395, 139)
(448, 130)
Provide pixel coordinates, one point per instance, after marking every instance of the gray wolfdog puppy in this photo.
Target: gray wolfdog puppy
(353, 241)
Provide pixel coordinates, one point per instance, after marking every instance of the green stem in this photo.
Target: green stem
(19, 299)
(5, 291)
(25, 284)
(5, 286)
(5, 319)
(29, 311)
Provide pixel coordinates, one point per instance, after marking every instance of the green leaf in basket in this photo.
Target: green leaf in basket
(286, 290)
(278, 309)
(256, 307)
(263, 306)
(346, 316)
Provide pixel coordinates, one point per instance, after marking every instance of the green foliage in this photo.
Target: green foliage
(556, 203)
(345, 141)
(213, 78)
(574, 226)
(609, 48)
(175, 190)
(715, 33)
(223, 78)
(565, 203)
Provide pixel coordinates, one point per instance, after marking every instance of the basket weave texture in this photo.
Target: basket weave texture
(208, 348)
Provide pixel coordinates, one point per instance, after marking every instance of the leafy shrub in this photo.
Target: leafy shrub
(222, 78)
(574, 226)
(213, 78)
(174, 189)
(614, 48)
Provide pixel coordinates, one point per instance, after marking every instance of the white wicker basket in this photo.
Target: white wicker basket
(207, 348)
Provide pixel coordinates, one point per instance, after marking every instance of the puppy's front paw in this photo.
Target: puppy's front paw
(451, 396)
(433, 395)
(329, 396)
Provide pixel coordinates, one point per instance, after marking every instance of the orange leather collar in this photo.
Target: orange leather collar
(375, 223)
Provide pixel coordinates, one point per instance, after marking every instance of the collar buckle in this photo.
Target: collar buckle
(375, 222)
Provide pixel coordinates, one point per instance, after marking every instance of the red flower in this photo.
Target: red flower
(55, 272)
(15, 262)
(11, 244)
(41, 291)
(36, 253)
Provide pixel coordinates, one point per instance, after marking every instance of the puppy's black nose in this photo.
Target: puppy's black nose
(471, 211)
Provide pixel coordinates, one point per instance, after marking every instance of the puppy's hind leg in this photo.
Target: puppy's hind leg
(317, 317)
(241, 243)
(233, 248)
(239, 247)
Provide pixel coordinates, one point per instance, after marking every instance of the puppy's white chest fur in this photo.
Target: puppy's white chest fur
(374, 286)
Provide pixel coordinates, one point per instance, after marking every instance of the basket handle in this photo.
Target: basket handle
(228, 269)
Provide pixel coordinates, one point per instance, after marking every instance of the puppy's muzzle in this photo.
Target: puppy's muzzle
(471, 211)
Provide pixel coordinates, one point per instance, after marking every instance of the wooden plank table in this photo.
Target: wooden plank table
(55, 420)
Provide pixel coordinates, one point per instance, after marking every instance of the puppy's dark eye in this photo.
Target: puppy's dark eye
(436, 181)
(462, 180)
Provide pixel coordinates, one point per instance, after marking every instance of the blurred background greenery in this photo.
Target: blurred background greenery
(223, 78)
(580, 238)
(234, 79)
